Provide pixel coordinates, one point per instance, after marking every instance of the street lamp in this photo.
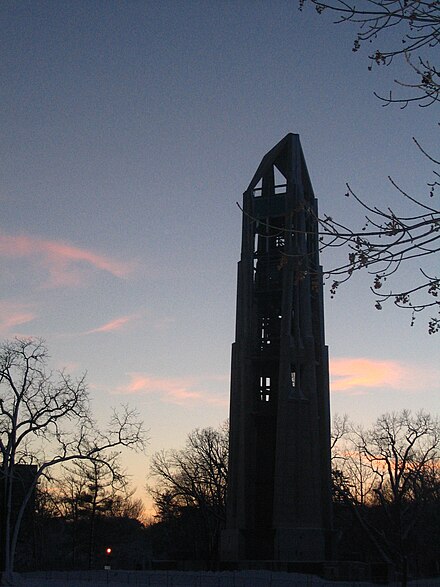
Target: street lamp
(108, 552)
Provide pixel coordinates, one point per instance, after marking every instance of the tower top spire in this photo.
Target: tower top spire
(284, 156)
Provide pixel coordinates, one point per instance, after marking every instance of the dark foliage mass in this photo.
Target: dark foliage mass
(78, 516)
(386, 501)
(386, 490)
(190, 496)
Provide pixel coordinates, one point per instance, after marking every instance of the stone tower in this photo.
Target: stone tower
(279, 494)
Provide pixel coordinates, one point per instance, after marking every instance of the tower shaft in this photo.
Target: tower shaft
(279, 495)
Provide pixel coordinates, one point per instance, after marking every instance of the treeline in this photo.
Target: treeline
(64, 498)
(386, 503)
(89, 507)
(78, 515)
(386, 491)
(386, 494)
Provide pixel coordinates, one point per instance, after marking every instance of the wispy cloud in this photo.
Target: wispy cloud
(115, 324)
(163, 323)
(358, 375)
(61, 260)
(349, 375)
(13, 314)
(169, 390)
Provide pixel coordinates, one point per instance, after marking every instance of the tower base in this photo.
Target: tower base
(299, 544)
(232, 545)
(283, 544)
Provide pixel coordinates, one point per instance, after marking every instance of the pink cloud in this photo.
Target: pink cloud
(115, 324)
(356, 375)
(61, 259)
(169, 390)
(14, 314)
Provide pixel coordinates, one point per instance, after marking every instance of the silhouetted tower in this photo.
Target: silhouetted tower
(279, 495)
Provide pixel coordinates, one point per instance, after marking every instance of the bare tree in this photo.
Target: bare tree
(92, 487)
(400, 448)
(353, 474)
(45, 420)
(194, 477)
(339, 430)
(392, 466)
(382, 246)
(197, 474)
(387, 241)
(418, 25)
(85, 494)
(390, 239)
(126, 505)
(353, 480)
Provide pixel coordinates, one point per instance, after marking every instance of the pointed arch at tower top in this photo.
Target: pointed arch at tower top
(286, 158)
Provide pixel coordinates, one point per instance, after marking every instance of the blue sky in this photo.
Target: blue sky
(129, 131)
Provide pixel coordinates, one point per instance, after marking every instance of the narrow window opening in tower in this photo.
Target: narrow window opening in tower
(265, 332)
(262, 237)
(293, 379)
(258, 189)
(295, 375)
(280, 182)
(264, 388)
(279, 242)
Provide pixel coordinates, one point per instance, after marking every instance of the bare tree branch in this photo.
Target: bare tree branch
(45, 421)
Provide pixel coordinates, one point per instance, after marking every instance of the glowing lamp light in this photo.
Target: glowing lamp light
(108, 551)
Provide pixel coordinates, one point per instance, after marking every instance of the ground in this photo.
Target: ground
(190, 579)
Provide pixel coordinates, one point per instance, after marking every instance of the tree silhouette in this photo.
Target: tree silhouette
(418, 26)
(389, 240)
(193, 480)
(389, 475)
(45, 420)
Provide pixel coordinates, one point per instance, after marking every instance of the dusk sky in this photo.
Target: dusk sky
(129, 131)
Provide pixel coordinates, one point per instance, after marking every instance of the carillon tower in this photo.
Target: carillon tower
(279, 494)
